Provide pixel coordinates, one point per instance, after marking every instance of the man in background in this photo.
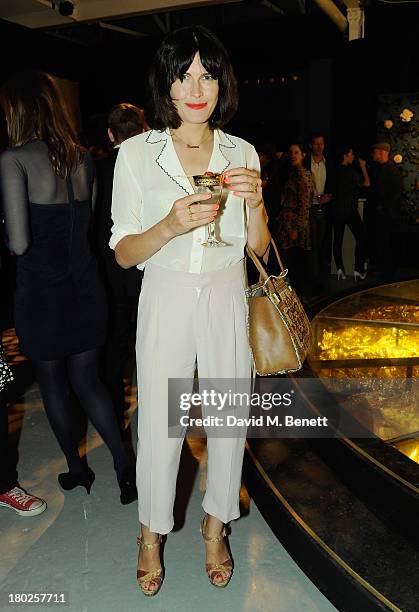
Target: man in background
(123, 286)
(321, 222)
(383, 210)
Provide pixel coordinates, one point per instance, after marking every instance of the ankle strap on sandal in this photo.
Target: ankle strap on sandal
(216, 539)
(145, 546)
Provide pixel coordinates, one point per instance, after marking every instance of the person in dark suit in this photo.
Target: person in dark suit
(321, 217)
(123, 286)
(383, 210)
(272, 181)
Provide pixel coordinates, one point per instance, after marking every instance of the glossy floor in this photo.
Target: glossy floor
(85, 545)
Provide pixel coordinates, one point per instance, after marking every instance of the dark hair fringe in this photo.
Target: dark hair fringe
(341, 151)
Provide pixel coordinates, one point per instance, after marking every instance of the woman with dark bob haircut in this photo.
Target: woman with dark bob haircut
(172, 60)
(47, 185)
(192, 310)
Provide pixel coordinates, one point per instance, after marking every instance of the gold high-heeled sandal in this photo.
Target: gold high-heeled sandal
(213, 569)
(155, 576)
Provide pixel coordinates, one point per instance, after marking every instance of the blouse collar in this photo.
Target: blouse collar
(167, 159)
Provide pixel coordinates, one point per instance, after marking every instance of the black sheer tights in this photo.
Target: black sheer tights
(81, 371)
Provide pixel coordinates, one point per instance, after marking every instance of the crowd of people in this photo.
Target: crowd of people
(87, 237)
(311, 197)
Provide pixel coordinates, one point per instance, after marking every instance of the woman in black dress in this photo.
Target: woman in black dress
(349, 181)
(47, 186)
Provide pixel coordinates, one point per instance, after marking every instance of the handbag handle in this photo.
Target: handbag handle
(263, 274)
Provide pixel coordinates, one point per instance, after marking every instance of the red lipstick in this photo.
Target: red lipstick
(196, 106)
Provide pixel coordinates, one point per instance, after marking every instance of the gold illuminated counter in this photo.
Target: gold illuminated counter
(368, 343)
(346, 507)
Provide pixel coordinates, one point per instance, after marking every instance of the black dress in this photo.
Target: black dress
(345, 213)
(60, 303)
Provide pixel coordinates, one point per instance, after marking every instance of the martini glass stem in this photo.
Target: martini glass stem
(211, 231)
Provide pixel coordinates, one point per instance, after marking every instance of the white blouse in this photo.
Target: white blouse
(149, 178)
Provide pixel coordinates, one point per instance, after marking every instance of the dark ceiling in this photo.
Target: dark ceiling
(230, 15)
(269, 43)
(281, 24)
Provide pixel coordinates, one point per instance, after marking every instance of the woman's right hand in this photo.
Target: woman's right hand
(190, 212)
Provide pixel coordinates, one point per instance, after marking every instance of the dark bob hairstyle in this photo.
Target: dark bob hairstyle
(343, 150)
(173, 59)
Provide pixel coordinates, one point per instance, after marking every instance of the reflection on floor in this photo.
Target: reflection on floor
(373, 337)
(85, 545)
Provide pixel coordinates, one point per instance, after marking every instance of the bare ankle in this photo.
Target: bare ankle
(213, 525)
(147, 536)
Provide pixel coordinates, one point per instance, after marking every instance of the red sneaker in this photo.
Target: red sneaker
(21, 502)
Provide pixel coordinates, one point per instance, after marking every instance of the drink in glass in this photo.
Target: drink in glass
(213, 183)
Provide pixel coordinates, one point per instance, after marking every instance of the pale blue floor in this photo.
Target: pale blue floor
(86, 545)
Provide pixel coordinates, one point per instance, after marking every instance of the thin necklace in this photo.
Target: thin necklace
(189, 146)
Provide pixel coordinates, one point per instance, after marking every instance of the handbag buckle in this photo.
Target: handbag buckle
(273, 295)
(281, 275)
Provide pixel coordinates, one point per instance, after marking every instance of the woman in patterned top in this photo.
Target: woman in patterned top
(294, 218)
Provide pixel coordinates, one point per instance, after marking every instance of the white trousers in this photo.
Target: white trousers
(186, 318)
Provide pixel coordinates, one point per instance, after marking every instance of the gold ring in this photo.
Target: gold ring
(256, 188)
(190, 212)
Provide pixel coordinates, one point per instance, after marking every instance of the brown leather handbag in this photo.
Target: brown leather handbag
(278, 327)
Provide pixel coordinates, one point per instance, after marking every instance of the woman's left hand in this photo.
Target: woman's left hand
(246, 184)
